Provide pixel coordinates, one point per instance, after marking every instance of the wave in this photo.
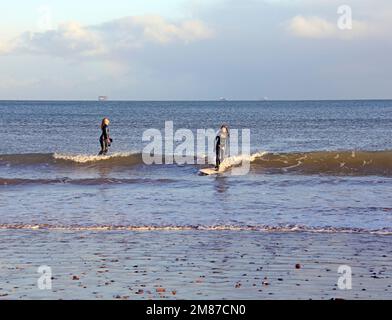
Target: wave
(83, 182)
(237, 160)
(255, 228)
(360, 163)
(115, 159)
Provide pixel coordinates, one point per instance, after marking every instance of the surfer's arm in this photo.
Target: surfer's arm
(217, 142)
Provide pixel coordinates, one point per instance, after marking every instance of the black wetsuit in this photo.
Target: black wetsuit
(221, 148)
(218, 151)
(104, 140)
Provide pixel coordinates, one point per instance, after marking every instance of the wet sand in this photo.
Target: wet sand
(193, 264)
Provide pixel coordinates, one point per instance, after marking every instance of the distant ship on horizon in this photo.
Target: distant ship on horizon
(102, 98)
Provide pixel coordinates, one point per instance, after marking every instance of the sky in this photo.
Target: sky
(195, 49)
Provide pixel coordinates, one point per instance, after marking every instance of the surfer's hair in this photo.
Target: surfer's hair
(103, 122)
(226, 127)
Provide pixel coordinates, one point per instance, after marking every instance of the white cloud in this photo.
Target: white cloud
(311, 27)
(72, 39)
(68, 39)
(155, 28)
(318, 28)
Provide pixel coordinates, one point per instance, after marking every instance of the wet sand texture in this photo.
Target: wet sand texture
(193, 265)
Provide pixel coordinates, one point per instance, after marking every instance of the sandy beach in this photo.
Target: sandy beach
(193, 264)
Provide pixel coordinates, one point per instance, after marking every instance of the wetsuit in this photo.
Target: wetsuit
(104, 140)
(221, 143)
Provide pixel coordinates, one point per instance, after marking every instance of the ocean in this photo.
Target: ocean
(316, 166)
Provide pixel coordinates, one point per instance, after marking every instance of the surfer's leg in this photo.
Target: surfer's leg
(221, 155)
(105, 147)
(102, 147)
(217, 163)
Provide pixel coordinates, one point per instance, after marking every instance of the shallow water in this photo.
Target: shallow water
(317, 166)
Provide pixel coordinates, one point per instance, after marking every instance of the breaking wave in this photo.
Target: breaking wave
(115, 159)
(359, 163)
(255, 228)
(356, 163)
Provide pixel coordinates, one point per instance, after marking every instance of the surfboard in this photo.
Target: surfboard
(209, 171)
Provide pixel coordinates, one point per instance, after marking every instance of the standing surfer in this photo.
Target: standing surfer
(105, 139)
(221, 145)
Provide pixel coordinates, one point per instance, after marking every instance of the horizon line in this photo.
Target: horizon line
(195, 100)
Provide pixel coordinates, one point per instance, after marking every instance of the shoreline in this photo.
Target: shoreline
(193, 265)
(195, 228)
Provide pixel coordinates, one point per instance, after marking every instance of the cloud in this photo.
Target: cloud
(67, 40)
(156, 29)
(311, 27)
(72, 39)
(5, 48)
(318, 28)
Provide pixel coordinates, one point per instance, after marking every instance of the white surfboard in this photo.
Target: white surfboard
(210, 171)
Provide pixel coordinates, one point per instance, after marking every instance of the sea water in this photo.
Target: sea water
(319, 166)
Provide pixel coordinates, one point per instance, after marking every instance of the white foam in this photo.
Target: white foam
(223, 227)
(237, 160)
(85, 158)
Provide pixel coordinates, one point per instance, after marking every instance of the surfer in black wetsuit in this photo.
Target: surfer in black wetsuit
(221, 145)
(105, 139)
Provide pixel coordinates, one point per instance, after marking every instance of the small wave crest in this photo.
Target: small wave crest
(238, 160)
(360, 163)
(62, 159)
(85, 158)
(84, 182)
(255, 228)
